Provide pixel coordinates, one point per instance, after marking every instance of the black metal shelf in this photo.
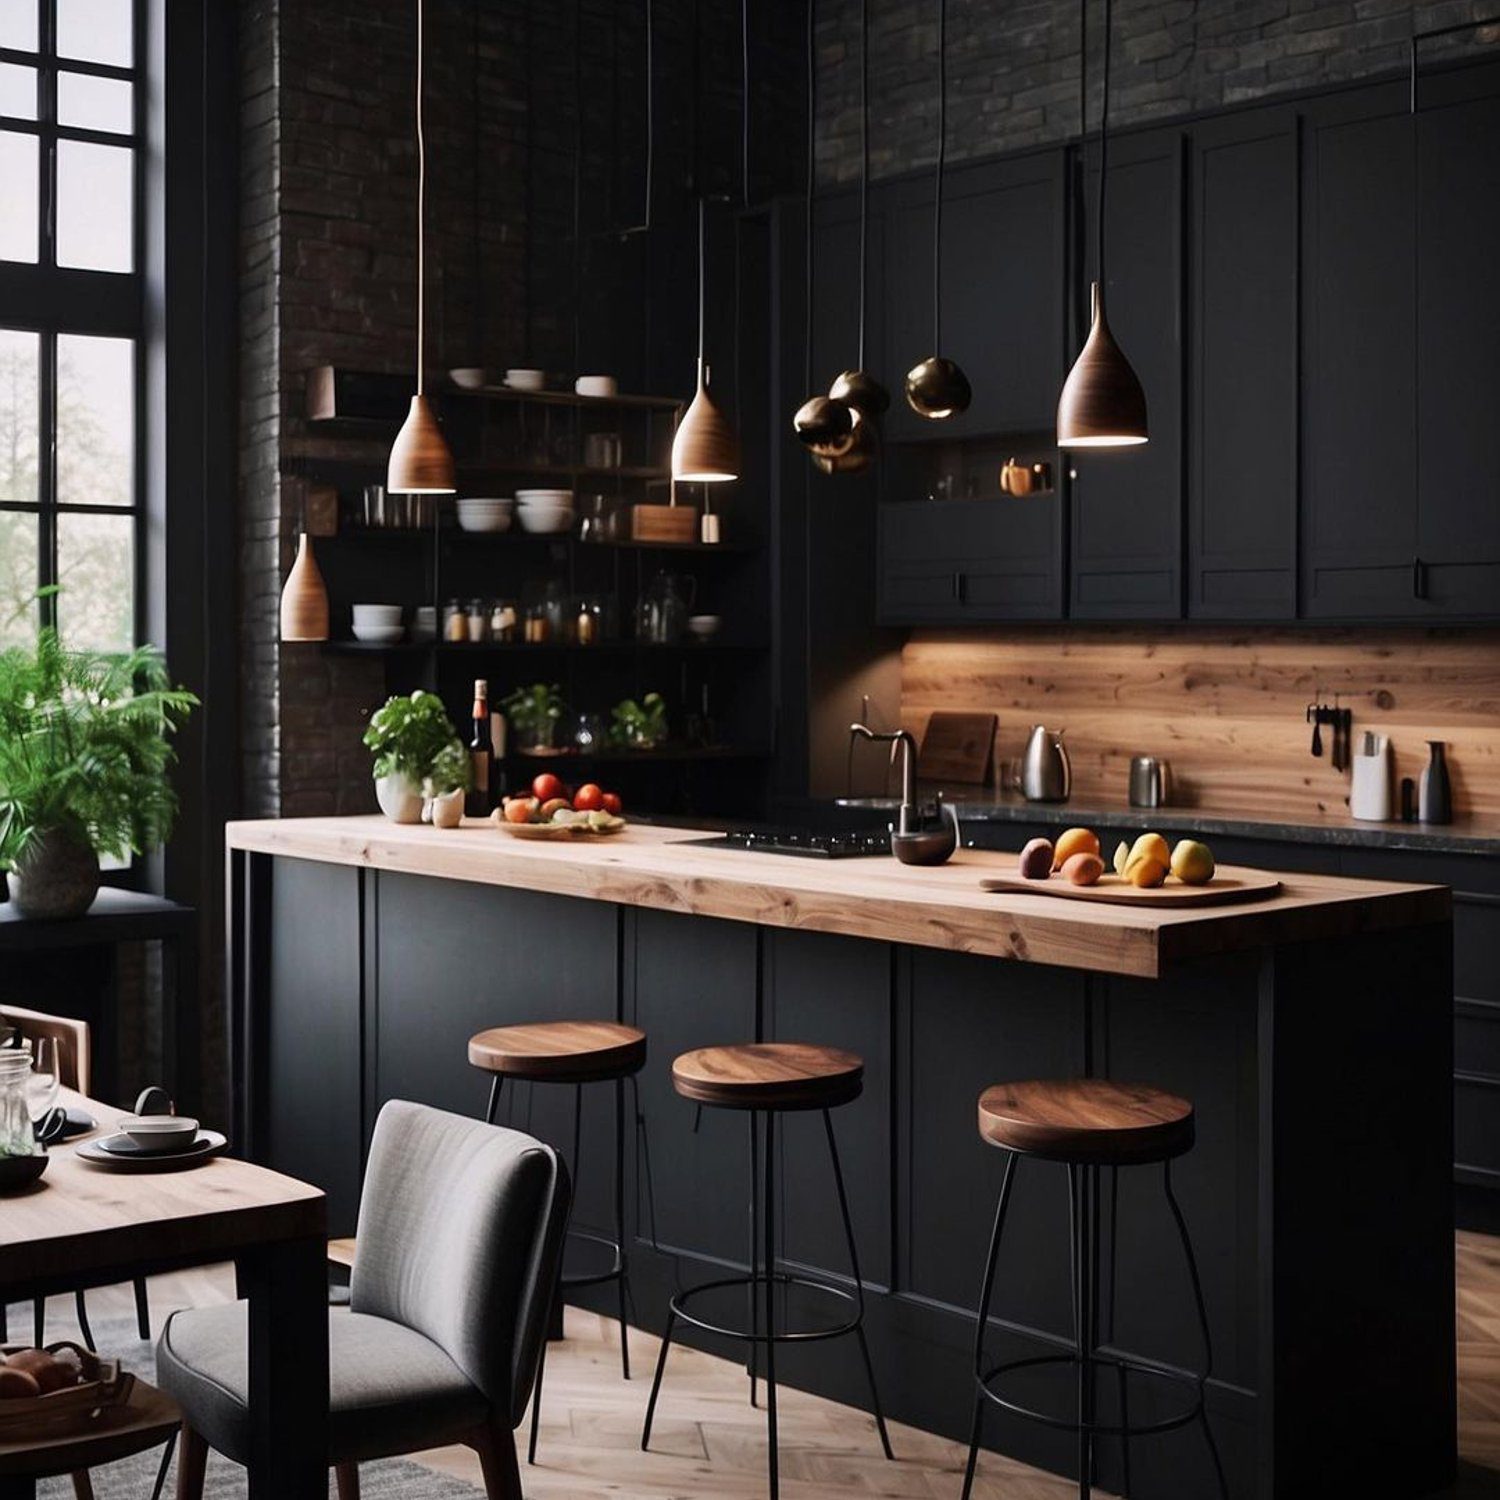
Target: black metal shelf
(631, 757)
(515, 536)
(532, 648)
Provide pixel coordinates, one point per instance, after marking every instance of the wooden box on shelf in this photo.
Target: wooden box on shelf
(664, 523)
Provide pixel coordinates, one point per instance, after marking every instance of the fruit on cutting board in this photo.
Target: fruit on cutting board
(47, 1371)
(1193, 862)
(1083, 868)
(1152, 844)
(1122, 857)
(1074, 841)
(522, 810)
(1035, 862)
(547, 787)
(1145, 871)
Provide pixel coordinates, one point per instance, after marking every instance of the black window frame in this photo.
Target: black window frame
(51, 300)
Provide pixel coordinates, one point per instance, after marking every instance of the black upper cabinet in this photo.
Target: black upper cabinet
(1242, 369)
(1127, 502)
(1003, 241)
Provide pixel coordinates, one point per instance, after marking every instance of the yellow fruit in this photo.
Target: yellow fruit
(1074, 841)
(1154, 845)
(1122, 857)
(1193, 862)
(1145, 871)
(1083, 868)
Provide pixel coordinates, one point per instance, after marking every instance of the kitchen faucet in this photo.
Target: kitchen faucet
(900, 741)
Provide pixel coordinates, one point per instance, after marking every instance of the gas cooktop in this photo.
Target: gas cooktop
(799, 841)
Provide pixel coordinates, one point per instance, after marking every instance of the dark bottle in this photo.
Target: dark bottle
(481, 755)
(1435, 793)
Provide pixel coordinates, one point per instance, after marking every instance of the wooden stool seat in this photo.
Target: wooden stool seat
(560, 1051)
(769, 1075)
(147, 1418)
(1093, 1121)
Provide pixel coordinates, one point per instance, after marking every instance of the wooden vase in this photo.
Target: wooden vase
(304, 598)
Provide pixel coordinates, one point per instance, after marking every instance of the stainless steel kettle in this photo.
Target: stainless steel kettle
(1046, 775)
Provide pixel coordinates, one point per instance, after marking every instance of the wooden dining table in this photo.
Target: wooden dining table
(85, 1226)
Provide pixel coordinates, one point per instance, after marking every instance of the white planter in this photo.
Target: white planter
(400, 800)
(448, 809)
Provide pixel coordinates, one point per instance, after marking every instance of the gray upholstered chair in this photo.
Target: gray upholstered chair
(460, 1239)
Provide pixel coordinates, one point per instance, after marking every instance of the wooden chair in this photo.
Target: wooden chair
(456, 1264)
(74, 1071)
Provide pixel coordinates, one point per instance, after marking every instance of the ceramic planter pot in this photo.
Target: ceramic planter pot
(400, 799)
(58, 876)
(448, 809)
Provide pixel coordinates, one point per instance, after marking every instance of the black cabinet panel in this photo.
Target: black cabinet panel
(1002, 293)
(1242, 371)
(1127, 503)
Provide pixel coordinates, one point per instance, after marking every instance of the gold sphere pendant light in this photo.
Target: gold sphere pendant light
(937, 389)
(705, 449)
(1102, 404)
(421, 462)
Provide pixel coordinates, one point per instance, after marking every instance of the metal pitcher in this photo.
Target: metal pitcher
(1046, 775)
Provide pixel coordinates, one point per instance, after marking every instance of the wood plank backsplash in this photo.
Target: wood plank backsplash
(1224, 705)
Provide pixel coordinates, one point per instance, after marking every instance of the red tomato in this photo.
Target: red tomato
(612, 804)
(546, 787)
(589, 798)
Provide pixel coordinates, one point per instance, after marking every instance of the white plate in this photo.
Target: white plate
(379, 635)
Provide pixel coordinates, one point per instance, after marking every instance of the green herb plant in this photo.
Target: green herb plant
(533, 712)
(451, 771)
(639, 726)
(408, 735)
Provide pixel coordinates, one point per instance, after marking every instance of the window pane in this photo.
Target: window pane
(19, 415)
(18, 577)
(94, 219)
(18, 196)
(96, 568)
(95, 420)
(17, 90)
(18, 24)
(94, 103)
(96, 30)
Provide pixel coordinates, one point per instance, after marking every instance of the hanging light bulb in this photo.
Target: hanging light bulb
(820, 421)
(852, 454)
(858, 388)
(705, 449)
(421, 462)
(936, 388)
(1102, 404)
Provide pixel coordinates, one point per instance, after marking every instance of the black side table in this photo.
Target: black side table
(117, 917)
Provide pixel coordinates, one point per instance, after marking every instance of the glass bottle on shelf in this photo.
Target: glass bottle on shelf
(481, 754)
(455, 622)
(479, 620)
(503, 621)
(557, 605)
(538, 629)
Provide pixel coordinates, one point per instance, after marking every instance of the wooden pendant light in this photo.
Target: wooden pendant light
(304, 598)
(421, 462)
(705, 449)
(1102, 404)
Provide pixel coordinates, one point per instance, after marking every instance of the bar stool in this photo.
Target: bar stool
(766, 1079)
(1086, 1124)
(572, 1052)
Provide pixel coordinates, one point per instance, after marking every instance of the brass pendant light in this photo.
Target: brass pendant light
(705, 449)
(1102, 403)
(421, 462)
(937, 389)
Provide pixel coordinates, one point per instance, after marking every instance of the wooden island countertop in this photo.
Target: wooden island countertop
(939, 907)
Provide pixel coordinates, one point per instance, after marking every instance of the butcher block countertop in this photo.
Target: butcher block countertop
(939, 907)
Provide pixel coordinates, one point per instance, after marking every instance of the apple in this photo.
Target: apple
(547, 788)
(612, 804)
(588, 798)
(520, 810)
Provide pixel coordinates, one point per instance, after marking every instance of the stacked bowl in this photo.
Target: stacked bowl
(545, 512)
(378, 624)
(485, 513)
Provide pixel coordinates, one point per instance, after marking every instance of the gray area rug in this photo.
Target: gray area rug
(132, 1479)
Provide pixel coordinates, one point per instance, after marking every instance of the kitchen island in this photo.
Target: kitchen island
(1312, 1031)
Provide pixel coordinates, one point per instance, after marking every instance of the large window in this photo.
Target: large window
(71, 309)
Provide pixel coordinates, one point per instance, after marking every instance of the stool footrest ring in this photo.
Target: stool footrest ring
(679, 1305)
(986, 1386)
(595, 1278)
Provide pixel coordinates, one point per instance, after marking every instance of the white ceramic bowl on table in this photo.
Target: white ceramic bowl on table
(160, 1132)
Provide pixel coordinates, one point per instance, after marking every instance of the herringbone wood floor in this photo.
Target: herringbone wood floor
(709, 1444)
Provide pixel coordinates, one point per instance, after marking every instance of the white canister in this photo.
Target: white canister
(1372, 791)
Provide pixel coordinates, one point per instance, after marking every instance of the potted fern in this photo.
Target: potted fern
(85, 751)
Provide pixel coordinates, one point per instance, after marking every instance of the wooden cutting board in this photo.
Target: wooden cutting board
(959, 747)
(1229, 885)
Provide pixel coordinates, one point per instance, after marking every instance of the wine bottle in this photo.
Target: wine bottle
(481, 755)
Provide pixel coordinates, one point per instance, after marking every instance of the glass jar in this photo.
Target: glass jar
(455, 622)
(538, 625)
(589, 624)
(479, 620)
(17, 1138)
(558, 606)
(503, 621)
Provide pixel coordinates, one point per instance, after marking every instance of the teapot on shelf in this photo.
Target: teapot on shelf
(661, 615)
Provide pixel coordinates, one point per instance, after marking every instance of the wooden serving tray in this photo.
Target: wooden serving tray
(1226, 888)
(104, 1384)
(560, 832)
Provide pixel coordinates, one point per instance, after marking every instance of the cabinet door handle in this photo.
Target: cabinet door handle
(960, 588)
(1418, 578)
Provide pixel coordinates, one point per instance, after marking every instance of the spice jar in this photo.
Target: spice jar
(538, 625)
(479, 620)
(455, 622)
(503, 621)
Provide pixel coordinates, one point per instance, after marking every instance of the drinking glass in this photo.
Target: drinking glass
(44, 1084)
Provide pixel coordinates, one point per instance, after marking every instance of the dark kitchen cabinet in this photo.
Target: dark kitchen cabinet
(970, 561)
(1126, 503)
(1242, 369)
(1003, 317)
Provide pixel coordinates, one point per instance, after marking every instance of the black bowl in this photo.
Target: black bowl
(17, 1172)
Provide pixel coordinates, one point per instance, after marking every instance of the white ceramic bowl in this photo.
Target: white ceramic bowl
(546, 522)
(532, 497)
(379, 635)
(160, 1132)
(469, 377)
(377, 614)
(526, 379)
(597, 385)
(484, 520)
(704, 625)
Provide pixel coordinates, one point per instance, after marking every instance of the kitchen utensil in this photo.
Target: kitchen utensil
(1046, 773)
(1228, 887)
(109, 1153)
(1370, 792)
(958, 747)
(1342, 722)
(1435, 791)
(1150, 781)
(596, 385)
(160, 1133)
(929, 846)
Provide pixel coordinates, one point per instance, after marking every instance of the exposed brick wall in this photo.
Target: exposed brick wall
(1013, 68)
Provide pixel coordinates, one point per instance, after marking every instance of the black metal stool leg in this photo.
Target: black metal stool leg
(164, 1466)
(494, 1105)
(661, 1365)
(770, 1227)
(142, 1310)
(39, 1321)
(754, 1287)
(986, 1288)
(1078, 1184)
(622, 1283)
(1208, 1348)
(859, 1285)
(1122, 1374)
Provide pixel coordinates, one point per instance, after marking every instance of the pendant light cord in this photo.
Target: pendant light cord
(421, 214)
(864, 167)
(1103, 153)
(812, 166)
(701, 268)
(937, 208)
(745, 102)
(650, 109)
